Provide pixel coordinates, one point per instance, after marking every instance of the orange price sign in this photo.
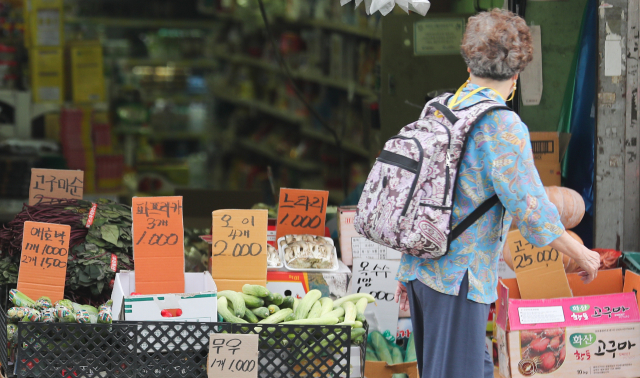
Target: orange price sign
(301, 212)
(43, 263)
(239, 248)
(52, 185)
(158, 248)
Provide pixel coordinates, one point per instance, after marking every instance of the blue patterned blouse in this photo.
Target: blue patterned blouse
(498, 160)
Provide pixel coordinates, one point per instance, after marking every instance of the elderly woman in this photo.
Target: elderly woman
(450, 297)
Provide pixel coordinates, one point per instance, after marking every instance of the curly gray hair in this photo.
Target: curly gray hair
(496, 45)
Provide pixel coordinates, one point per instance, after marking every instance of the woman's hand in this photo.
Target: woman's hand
(587, 259)
(401, 296)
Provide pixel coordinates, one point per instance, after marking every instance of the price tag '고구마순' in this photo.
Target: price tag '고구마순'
(239, 248)
(43, 262)
(158, 248)
(232, 356)
(52, 185)
(301, 212)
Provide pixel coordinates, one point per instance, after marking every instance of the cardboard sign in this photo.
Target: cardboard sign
(239, 248)
(158, 247)
(232, 356)
(51, 185)
(377, 277)
(43, 264)
(539, 271)
(302, 212)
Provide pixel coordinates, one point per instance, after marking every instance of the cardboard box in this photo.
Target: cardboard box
(46, 66)
(86, 73)
(333, 284)
(548, 151)
(375, 369)
(198, 303)
(595, 335)
(44, 23)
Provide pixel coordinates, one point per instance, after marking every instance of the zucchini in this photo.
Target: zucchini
(382, 347)
(327, 305)
(327, 320)
(251, 302)
(315, 311)
(223, 310)
(250, 316)
(349, 312)
(261, 312)
(361, 306)
(353, 298)
(396, 355)
(287, 302)
(255, 290)
(338, 312)
(19, 299)
(305, 304)
(410, 354)
(357, 332)
(276, 299)
(277, 317)
(236, 301)
(371, 355)
(273, 309)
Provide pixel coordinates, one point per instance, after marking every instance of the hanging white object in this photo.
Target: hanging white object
(386, 6)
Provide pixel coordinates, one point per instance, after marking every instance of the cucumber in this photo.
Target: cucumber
(277, 317)
(315, 311)
(236, 301)
(223, 310)
(396, 354)
(287, 302)
(273, 309)
(347, 323)
(361, 305)
(250, 316)
(327, 320)
(255, 290)
(290, 317)
(261, 312)
(349, 311)
(338, 312)
(353, 298)
(305, 304)
(327, 305)
(296, 303)
(251, 302)
(371, 355)
(358, 324)
(382, 347)
(276, 299)
(357, 332)
(410, 354)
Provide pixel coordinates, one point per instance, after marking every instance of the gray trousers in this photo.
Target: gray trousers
(449, 332)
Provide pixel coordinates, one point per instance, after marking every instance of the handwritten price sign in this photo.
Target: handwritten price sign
(239, 239)
(232, 356)
(301, 212)
(52, 185)
(377, 277)
(158, 235)
(533, 264)
(43, 264)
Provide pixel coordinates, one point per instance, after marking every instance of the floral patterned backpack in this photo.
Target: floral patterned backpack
(407, 199)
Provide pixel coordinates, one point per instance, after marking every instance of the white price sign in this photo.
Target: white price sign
(366, 249)
(377, 277)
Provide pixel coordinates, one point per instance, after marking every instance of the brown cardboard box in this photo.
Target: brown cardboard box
(379, 369)
(548, 151)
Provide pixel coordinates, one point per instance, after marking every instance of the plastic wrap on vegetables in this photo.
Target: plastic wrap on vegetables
(20, 299)
(307, 251)
(66, 304)
(105, 316)
(17, 313)
(82, 316)
(43, 303)
(32, 315)
(48, 315)
(12, 333)
(273, 257)
(64, 315)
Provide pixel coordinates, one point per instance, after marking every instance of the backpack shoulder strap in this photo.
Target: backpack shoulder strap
(474, 216)
(471, 114)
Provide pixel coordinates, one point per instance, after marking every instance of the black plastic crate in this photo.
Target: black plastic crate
(4, 358)
(174, 349)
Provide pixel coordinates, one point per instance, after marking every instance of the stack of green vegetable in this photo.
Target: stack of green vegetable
(256, 304)
(379, 349)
